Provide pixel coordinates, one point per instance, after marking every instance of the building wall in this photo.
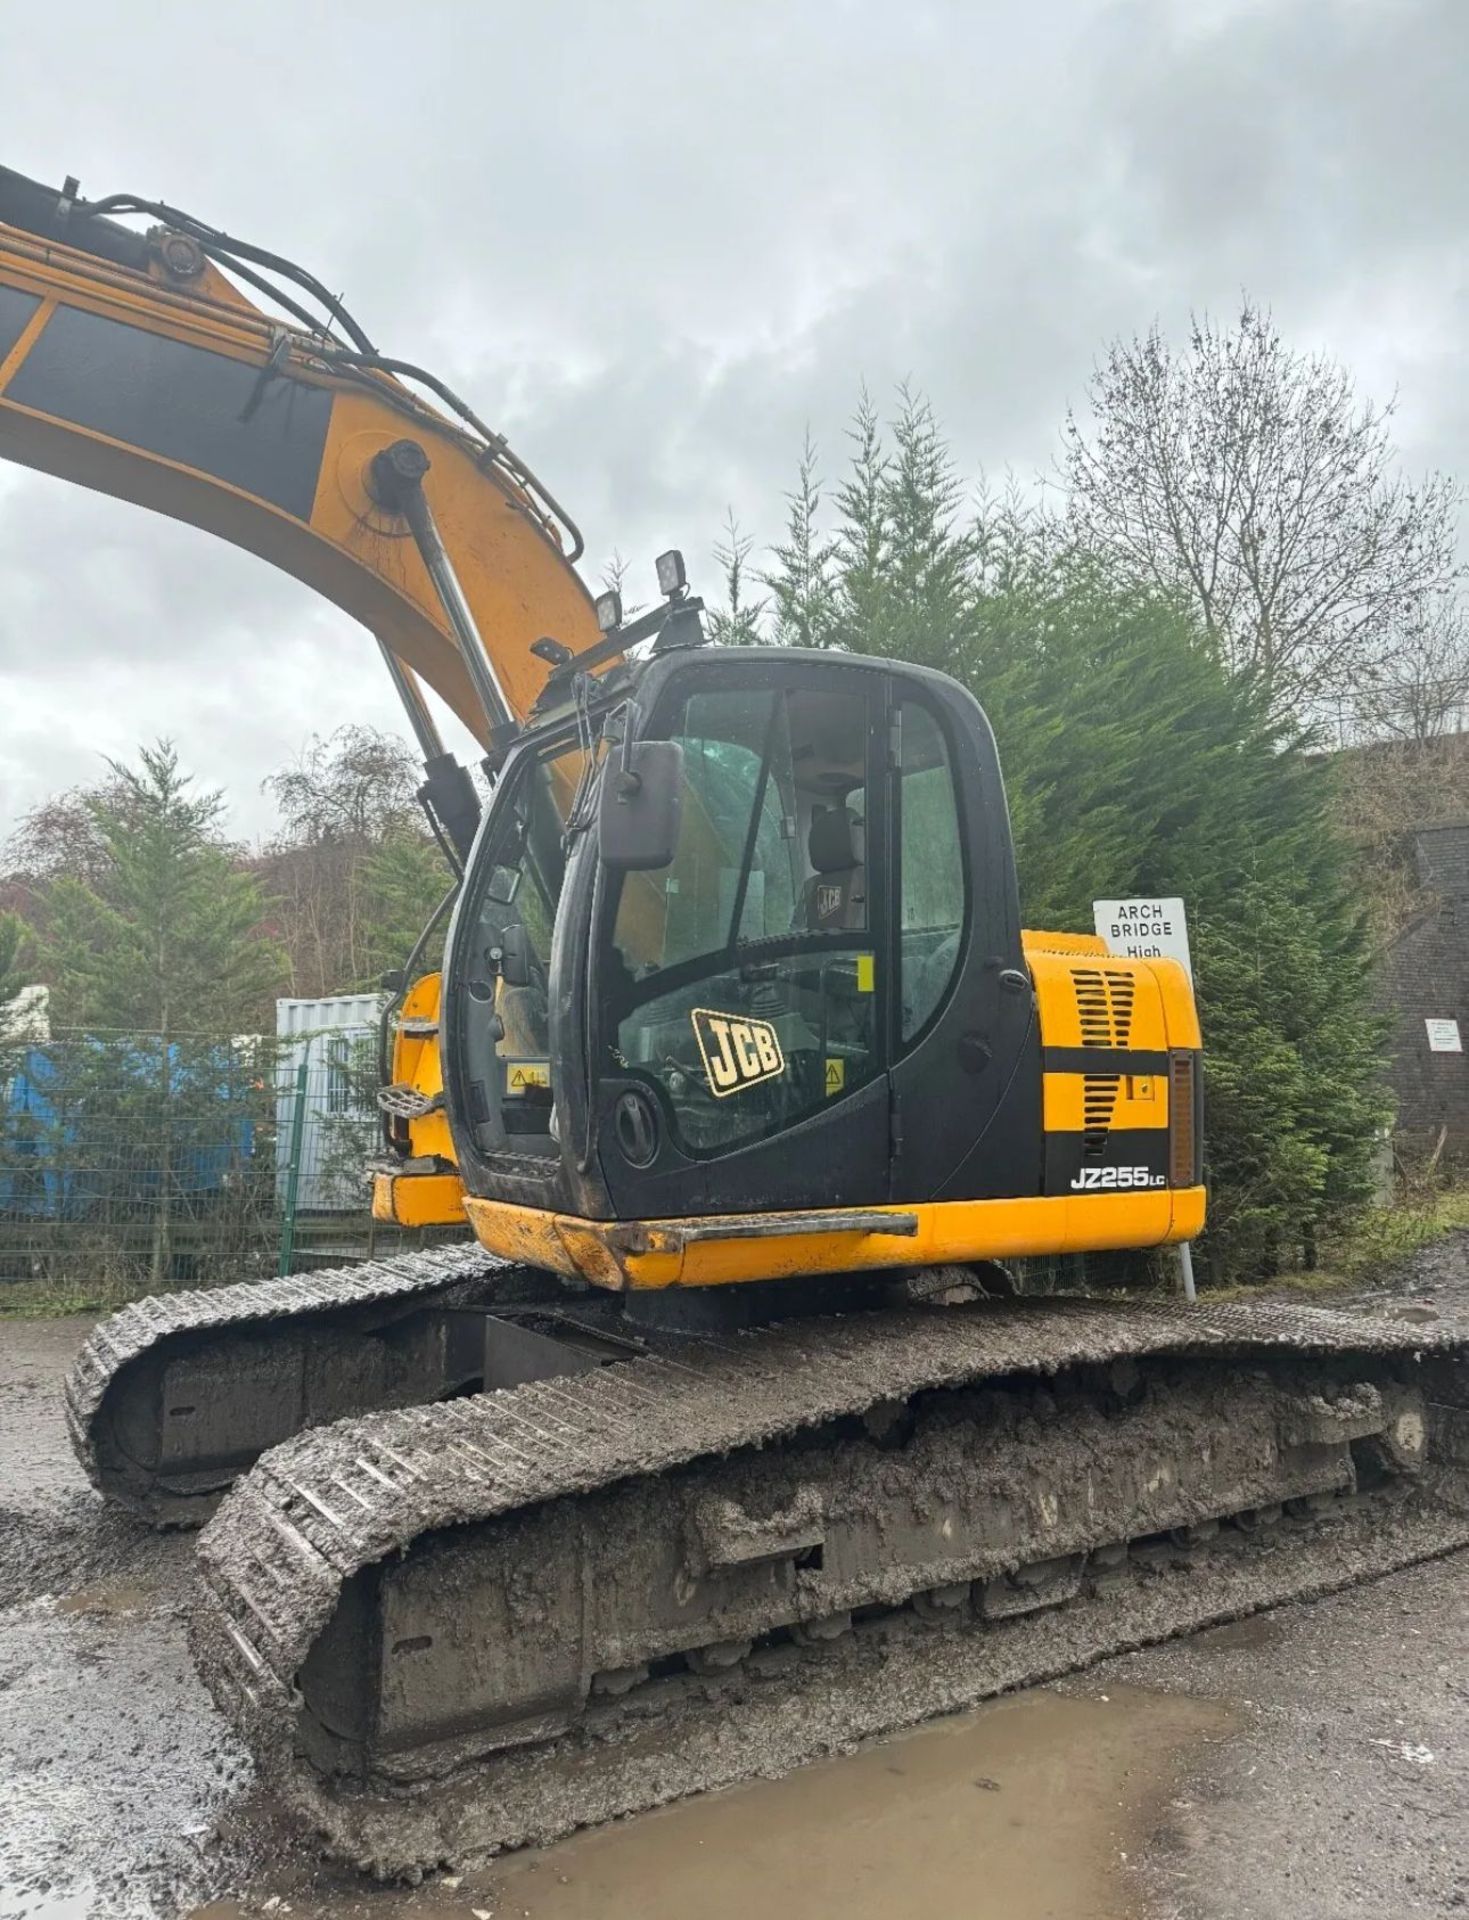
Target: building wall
(1424, 975)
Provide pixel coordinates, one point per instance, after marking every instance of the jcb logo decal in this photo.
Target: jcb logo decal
(737, 1053)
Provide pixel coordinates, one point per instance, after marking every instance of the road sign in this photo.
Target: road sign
(1145, 929)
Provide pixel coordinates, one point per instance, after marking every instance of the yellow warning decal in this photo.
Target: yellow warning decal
(522, 1075)
(836, 1076)
(737, 1053)
(866, 973)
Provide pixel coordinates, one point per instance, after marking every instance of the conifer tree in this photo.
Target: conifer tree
(156, 963)
(1135, 765)
(801, 584)
(737, 623)
(928, 575)
(864, 535)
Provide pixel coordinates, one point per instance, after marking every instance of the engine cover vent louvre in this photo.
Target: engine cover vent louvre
(1104, 998)
(1104, 1006)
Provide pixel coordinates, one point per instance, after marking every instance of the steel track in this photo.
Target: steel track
(321, 1508)
(149, 1328)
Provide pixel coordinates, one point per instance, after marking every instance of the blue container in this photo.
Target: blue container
(62, 1153)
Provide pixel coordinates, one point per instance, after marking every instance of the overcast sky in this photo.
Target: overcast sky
(653, 242)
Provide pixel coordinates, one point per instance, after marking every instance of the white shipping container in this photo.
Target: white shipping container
(336, 1040)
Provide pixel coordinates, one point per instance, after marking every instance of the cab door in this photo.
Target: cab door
(964, 1049)
(741, 994)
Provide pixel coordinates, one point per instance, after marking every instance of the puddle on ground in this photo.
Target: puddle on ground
(118, 1600)
(1022, 1810)
(1259, 1630)
(45, 1905)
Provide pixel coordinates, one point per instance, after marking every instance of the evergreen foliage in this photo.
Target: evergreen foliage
(168, 937)
(1134, 769)
(158, 961)
(802, 593)
(737, 623)
(1134, 766)
(403, 880)
(12, 951)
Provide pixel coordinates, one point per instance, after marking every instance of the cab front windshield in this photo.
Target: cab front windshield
(738, 983)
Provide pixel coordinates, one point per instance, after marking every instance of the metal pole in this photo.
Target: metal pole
(395, 477)
(293, 1177)
(430, 742)
(1186, 1271)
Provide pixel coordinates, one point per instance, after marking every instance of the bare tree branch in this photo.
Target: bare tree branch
(1249, 478)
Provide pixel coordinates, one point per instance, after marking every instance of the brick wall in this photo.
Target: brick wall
(1424, 974)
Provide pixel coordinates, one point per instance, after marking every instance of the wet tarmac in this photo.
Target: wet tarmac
(1309, 1764)
(1029, 1808)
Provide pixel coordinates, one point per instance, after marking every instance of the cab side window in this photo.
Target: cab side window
(931, 887)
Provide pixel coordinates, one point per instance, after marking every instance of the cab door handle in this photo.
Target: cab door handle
(1014, 981)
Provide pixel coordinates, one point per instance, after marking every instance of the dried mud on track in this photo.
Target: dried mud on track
(1273, 1767)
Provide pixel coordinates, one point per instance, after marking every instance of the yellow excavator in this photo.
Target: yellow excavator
(749, 1083)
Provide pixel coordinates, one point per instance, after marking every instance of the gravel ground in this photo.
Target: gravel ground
(1342, 1787)
(1346, 1792)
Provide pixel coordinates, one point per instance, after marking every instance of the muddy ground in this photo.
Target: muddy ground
(1311, 1762)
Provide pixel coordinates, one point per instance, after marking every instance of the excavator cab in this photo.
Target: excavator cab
(740, 939)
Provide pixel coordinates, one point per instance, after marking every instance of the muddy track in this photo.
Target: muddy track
(316, 1511)
(150, 1329)
(787, 1706)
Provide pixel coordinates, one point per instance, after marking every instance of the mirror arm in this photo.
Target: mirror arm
(628, 782)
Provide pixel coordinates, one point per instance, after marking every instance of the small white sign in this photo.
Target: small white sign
(1145, 929)
(1443, 1036)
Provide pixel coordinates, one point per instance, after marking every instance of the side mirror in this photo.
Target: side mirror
(640, 806)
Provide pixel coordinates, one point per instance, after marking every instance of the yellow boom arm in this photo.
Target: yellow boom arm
(132, 364)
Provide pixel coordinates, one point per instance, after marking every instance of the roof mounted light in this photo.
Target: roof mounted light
(609, 611)
(672, 574)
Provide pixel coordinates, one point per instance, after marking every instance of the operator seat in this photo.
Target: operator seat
(834, 899)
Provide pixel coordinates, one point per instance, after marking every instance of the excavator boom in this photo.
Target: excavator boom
(133, 364)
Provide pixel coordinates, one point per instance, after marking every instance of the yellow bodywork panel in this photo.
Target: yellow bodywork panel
(418, 1063)
(690, 1253)
(1145, 1005)
(431, 1193)
(418, 1199)
(1088, 1000)
(1160, 1017)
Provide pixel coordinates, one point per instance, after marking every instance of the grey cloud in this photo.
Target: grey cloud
(654, 242)
(1310, 125)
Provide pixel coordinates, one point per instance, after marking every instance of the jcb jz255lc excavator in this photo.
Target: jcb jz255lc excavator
(745, 1075)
